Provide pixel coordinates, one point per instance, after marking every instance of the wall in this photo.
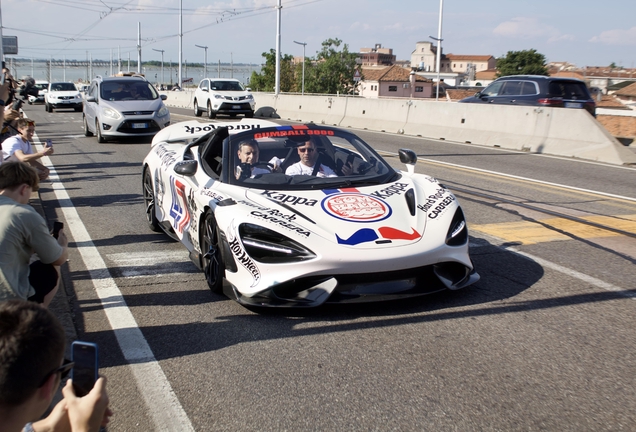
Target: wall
(557, 131)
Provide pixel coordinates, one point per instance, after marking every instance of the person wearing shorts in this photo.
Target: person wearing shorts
(23, 233)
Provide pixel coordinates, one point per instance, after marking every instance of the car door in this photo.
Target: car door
(91, 107)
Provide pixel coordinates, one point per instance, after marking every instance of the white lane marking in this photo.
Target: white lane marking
(161, 401)
(152, 264)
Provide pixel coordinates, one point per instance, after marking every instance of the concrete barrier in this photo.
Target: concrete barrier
(557, 131)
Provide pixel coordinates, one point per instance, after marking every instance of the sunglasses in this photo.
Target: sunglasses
(62, 370)
(305, 150)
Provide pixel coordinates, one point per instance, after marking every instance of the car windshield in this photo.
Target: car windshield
(63, 87)
(304, 157)
(41, 86)
(227, 86)
(128, 90)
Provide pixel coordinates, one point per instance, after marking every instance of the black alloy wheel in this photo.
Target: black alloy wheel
(211, 260)
(149, 202)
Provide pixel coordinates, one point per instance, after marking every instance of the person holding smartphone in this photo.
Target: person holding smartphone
(24, 232)
(32, 366)
(19, 148)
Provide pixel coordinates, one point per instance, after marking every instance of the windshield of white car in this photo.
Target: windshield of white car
(63, 87)
(128, 90)
(264, 158)
(227, 86)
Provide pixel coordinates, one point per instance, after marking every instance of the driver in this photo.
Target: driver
(248, 156)
(309, 164)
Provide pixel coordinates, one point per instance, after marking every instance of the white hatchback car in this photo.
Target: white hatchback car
(63, 95)
(223, 96)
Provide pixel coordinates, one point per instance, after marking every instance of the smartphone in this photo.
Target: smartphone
(48, 143)
(84, 374)
(57, 226)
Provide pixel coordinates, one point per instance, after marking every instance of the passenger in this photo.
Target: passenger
(248, 156)
(31, 368)
(23, 232)
(19, 148)
(308, 162)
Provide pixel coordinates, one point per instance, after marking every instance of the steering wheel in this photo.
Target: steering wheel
(267, 165)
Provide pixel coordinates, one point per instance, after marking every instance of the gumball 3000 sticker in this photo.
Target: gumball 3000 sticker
(356, 207)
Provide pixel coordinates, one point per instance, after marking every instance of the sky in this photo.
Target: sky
(583, 32)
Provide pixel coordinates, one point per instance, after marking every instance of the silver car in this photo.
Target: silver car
(123, 106)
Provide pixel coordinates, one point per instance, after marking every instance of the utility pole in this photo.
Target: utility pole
(304, 44)
(277, 86)
(138, 47)
(180, 41)
(161, 51)
(205, 60)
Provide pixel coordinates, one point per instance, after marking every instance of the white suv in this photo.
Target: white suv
(124, 106)
(63, 95)
(43, 87)
(223, 96)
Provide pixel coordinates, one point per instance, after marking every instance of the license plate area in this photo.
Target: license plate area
(236, 107)
(573, 105)
(139, 125)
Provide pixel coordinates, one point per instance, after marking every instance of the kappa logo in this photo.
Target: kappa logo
(394, 189)
(289, 199)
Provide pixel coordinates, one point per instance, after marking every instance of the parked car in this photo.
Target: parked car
(62, 95)
(367, 233)
(223, 96)
(536, 90)
(123, 106)
(43, 87)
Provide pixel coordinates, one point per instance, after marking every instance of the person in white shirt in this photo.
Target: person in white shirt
(307, 165)
(18, 148)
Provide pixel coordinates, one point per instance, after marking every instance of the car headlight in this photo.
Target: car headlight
(218, 96)
(457, 234)
(111, 113)
(267, 246)
(249, 97)
(163, 111)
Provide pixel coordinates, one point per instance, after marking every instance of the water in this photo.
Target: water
(39, 71)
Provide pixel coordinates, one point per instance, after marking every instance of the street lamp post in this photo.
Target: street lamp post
(161, 51)
(205, 67)
(439, 46)
(304, 44)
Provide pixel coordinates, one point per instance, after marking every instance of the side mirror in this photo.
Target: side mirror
(186, 168)
(249, 89)
(409, 158)
(163, 97)
(91, 99)
(478, 95)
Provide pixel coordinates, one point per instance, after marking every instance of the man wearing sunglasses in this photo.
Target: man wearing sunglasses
(19, 148)
(31, 368)
(309, 164)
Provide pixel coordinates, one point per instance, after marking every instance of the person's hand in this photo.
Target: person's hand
(56, 421)
(347, 169)
(90, 412)
(47, 151)
(275, 161)
(62, 240)
(43, 172)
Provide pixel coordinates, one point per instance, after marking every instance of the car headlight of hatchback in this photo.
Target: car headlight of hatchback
(111, 113)
(163, 111)
(270, 247)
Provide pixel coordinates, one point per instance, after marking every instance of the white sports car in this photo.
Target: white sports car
(351, 228)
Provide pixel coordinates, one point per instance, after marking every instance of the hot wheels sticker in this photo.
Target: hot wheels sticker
(356, 207)
(241, 255)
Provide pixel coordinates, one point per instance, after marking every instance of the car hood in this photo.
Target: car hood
(63, 93)
(386, 215)
(135, 105)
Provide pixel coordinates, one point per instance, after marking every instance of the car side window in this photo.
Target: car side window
(529, 88)
(204, 85)
(492, 90)
(511, 88)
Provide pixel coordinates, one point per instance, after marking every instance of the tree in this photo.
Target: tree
(332, 71)
(266, 80)
(527, 62)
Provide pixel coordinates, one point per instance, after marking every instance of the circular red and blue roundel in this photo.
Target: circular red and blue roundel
(356, 207)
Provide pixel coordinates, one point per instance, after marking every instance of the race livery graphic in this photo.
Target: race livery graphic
(267, 232)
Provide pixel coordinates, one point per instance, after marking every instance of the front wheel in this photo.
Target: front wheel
(87, 131)
(149, 202)
(211, 114)
(197, 111)
(211, 260)
(98, 131)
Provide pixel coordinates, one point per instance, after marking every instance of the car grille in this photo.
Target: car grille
(127, 127)
(235, 98)
(134, 113)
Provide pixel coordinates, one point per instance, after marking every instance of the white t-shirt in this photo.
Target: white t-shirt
(11, 144)
(301, 169)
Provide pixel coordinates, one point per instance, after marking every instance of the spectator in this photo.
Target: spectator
(22, 232)
(4, 96)
(10, 125)
(19, 148)
(31, 368)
